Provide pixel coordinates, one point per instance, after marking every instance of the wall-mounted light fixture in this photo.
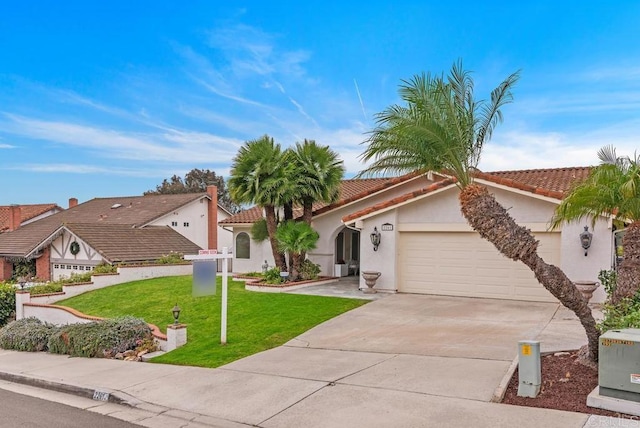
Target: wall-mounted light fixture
(375, 238)
(585, 239)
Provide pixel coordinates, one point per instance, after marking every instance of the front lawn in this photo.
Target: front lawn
(255, 321)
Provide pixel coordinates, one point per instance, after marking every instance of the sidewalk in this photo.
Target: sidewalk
(298, 385)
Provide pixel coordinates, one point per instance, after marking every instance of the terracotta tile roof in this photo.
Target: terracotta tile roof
(553, 183)
(350, 190)
(27, 212)
(122, 243)
(133, 211)
(399, 199)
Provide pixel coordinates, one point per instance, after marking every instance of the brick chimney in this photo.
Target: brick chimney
(212, 232)
(15, 217)
(73, 202)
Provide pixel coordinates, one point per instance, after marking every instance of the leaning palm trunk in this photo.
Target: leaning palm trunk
(491, 220)
(628, 281)
(272, 225)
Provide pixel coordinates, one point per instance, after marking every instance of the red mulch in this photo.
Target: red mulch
(565, 386)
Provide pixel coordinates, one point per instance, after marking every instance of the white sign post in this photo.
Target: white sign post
(225, 256)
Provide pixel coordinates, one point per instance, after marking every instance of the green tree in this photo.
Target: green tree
(296, 238)
(258, 176)
(318, 173)
(441, 127)
(613, 189)
(196, 181)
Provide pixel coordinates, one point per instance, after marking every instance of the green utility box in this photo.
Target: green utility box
(619, 364)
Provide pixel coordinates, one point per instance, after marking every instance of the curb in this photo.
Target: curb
(501, 389)
(95, 394)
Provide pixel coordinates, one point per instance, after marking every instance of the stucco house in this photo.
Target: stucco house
(427, 246)
(115, 230)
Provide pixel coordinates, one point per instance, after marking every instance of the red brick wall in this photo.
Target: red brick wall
(6, 269)
(43, 265)
(212, 235)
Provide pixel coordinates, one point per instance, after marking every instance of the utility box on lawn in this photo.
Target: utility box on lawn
(619, 364)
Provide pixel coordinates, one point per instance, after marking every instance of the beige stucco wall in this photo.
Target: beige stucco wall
(441, 212)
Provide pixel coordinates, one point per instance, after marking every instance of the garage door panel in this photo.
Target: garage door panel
(463, 264)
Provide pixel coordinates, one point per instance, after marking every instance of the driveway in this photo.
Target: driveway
(414, 357)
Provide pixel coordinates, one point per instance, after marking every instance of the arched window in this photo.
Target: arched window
(243, 246)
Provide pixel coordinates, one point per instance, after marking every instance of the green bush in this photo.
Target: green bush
(272, 276)
(27, 334)
(7, 302)
(100, 338)
(309, 270)
(172, 258)
(608, 279)
(51, 287)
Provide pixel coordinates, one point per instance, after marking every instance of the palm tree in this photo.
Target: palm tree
(442, 127)
(612, 188)
(296, 238)
(258, 176)
(318, 173)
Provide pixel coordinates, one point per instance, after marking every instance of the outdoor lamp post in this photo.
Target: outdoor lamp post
(375, 238)
(585, 239)
(21, 282)
(176, 314)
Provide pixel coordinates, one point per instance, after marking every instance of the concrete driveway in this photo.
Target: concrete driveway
(446, 355)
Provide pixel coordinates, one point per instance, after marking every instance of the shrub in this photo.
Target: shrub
(104, 268)
(608, 279)
(100, 338)
(51, 287)
(27, 334)
(172, 258)
(7, 302)
(309, 270)
(272, 276)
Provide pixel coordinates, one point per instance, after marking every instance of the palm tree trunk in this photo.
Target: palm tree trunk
(295, 267)
(492, 221)
(628, 281)
(278, 256)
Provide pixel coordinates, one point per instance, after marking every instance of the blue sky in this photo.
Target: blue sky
(108, 98)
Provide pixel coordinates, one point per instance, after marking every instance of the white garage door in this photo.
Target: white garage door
(463, 264)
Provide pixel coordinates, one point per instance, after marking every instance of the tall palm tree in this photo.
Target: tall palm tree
(296, 238)
(258, 176)
(442, 127)
(612, 188)
(318, 172)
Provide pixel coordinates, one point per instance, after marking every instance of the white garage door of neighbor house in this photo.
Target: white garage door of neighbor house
(463, 264)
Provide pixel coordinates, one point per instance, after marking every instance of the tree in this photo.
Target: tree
(196, 181)
(442, 127)
(258, 176)
(318, 173)
(613, 189)
(296, 238)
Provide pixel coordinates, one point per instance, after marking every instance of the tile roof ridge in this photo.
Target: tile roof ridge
(563, 168)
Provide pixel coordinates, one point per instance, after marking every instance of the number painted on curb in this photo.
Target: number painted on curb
(100, 396)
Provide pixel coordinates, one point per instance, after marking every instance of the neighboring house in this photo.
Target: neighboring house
(14, 216)
(427, 246)
(115, 230)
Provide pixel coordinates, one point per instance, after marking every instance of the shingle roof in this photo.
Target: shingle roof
(553, 183)
(350, 190)
(27, 212)
(133, 211)
(121, 243)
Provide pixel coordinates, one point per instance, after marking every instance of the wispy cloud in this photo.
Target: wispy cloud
(170, 146)
(55, 168)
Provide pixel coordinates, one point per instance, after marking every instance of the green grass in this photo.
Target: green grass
(255, 322)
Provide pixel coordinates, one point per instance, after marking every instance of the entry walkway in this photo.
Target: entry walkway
(400, 361)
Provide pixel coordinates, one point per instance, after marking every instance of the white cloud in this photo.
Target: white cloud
(83, 169)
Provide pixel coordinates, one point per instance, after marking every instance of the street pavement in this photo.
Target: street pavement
(400, 361)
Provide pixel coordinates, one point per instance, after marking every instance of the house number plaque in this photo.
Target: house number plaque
(386, 227)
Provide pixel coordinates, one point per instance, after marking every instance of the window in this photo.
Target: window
(243, 246)
(186, 224)
(174, 223)
(56, 266)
